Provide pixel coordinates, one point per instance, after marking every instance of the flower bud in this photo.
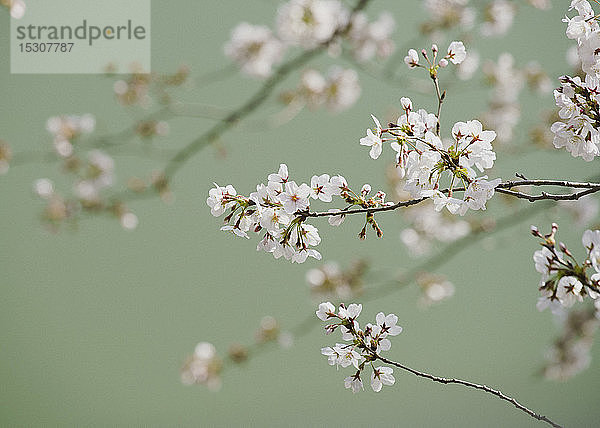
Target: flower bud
(366, 189)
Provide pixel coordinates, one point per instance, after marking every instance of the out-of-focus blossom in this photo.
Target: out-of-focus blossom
(498, 17)
(330, 281)
(17, 8)
(337, 91)
(310, 22)
(369, 39)
(203, 367)
(255, 49)
(5, 157)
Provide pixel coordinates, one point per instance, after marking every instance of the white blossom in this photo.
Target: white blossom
(373, 140)
(219, 199)
(310, 22)
(568, 290)
(456, 52)
(499, 18)
(372, 38)
(326, 310)
(354, 383)
(254, 49)
(365, 344)
(412, 58)
(381, 376)
(387, 324)
(320, 188)
(294, 197)
(336, 220)
(203, 367)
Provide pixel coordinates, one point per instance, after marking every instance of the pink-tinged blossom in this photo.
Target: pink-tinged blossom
(294, 197)
(412, 58)
(326, 310)
(320, 188)
(456, 52)
(219, 199)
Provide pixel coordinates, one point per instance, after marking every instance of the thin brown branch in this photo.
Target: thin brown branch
(107, 141)
(448, 253)
(440, 99)
(589, 187)
(473, 385)
(366, 210)
(558, 183)
(550, 196)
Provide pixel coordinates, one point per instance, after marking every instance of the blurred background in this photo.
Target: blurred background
(97, 321)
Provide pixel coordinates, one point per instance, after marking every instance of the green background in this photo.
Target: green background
(96, 322)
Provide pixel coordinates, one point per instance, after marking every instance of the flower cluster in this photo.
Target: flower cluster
(577, 98)
(280, 208)
(423, 158)
(577, 131)
(330, 280)
(456, 54)
(308, 23)
(364, 345)
(337, 91)
(269, 330)
(65, 131)
(203, 367)
(89, 159)
(143, 89)
(369, 39)
(507, 82)
(93, 175)
(446, 14)
(565, 281)
(255, 49)
(496, 17)
(570, 353)
(434, 289)
(426, 226)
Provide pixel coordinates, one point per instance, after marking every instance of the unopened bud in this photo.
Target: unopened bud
(363, 233)
(406, 103)
(238, 353)
(564, 248)
(330, 328)
(366, 189)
